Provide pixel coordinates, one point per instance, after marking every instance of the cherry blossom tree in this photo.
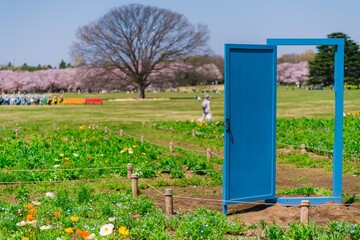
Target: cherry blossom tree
(296, 73)
(90, 79)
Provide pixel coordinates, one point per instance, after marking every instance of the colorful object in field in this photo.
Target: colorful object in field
(45, 99)
(69, 101)
(30, 99)
(250, 137)
(93, 101)
(352, 114)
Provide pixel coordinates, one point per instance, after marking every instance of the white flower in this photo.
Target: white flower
(106, 229)
(36, 203)
(122, 151)
(21, 224)
(111, 219)
(50, 195)
(76, 155)
(32, 223)
(131, 151)
(91, 236)
(58, 238)
(46, 227)
(57, 165)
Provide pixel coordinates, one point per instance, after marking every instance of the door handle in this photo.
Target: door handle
(227, 125)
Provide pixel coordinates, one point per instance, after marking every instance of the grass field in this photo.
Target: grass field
(172, 106)
(40, 146)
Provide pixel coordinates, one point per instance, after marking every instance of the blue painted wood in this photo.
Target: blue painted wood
(339, 111)
(313, 200)
(250, 117)
(305, 41)
(339, 44)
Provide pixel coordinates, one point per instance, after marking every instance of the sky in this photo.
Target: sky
(43, 31)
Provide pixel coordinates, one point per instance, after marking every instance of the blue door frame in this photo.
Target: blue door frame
(233, 190)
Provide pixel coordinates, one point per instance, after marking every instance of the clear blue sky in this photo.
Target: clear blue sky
(42, 31)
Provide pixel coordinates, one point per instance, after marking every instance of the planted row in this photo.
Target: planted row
(85, 215)
(316, 134)
(87, 152)
(88, 215)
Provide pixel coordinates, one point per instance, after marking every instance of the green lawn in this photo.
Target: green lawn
(67, 153)
(172, 106)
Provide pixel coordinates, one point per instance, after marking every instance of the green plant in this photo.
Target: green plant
(304, 191)
(22, 194)
(206, 224)
(84, 195)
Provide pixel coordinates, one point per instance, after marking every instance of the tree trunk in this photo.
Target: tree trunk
(141, 90)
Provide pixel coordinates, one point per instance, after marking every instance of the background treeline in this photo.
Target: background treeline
(26, 67)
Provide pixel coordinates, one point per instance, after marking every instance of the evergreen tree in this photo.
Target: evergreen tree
(62, 64)
(321, 69)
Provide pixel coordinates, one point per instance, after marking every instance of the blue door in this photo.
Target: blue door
(250, 118)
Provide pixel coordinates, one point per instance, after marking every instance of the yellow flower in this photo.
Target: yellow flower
(24, 238)
(123, 230)
(61, 155)
(144, 154)
(66, 159)
(134, 146)
(123, 150)
(74, 219)
(69, 230)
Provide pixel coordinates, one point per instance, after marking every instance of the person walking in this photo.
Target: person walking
(206, 112)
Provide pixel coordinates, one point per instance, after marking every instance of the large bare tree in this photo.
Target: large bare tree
(138, 40)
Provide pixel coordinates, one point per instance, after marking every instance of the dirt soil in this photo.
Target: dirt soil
(288, 176)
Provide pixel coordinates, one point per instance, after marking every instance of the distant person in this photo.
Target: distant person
(61, 100)
(205, 106)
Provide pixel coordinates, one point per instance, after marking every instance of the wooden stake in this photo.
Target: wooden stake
(171, 146)
(303, 150)
(106, 129)
(193, 133)
(171, 130)
(121, 133)
(304, 211)
(169, 208)
(208, 154)
(129, 168)
(142, 138)
(134, 184)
